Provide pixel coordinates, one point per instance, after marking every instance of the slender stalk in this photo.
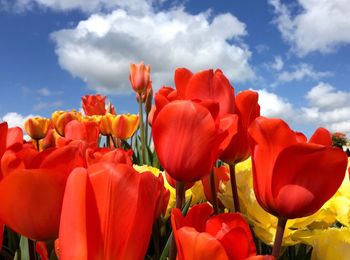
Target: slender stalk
(234, 188)
(37, 144)
(31, 249)
(108, 141)
(115, 144)
(156, 241)
(146, 129)
(180, 198)
(279, 236)
(142, 132)
(213, 192)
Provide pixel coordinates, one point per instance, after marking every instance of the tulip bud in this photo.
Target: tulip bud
(139, 77)
(124, 126)
(106, 124)
(37, 127)
(110, 109)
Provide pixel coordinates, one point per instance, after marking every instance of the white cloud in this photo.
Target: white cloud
(328, 107)
(14, 119)
(300, 72)
(317, 25)
(272, 105)
(87, 6)
(46, 105)
(100, 49)
(277, 64)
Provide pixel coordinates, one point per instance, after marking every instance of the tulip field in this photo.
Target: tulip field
(198, 173)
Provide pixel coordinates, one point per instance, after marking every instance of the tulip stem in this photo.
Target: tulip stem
(180, 198)
(142, 131)
(37, 144)
(279, 236)
(234, 188)
(213, 192)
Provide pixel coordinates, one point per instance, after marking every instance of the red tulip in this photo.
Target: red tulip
(31, 193)
(85, 131)
(199, 236)
(293, 179)
(196, 137)
(108, 212)
(94, 104)
(247, 109)
(221, 175)
(109, 155)
(206, 85)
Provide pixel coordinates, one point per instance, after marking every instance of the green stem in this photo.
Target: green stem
(213, 192)
(142, 132)
(234, 188)
(115, 144)
(156, 241)
(108, 144)
(180, 195)
(31, 249)
(37, 144)
(279, 236)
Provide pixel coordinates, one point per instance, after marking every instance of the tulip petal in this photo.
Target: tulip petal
(193, 245)
(193, 129)
(181, 78)
(14, 136)
(321, 136)
(269, 137)
(31, 202)
(314, 175)
(3, 137)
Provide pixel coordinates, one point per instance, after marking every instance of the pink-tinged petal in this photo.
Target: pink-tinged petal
(194, 131)
(229, 228)
(268, 138)
(212, 85)
(311, 173)
(321, 136)
(31, 202)
(193, 245)
(181, 78)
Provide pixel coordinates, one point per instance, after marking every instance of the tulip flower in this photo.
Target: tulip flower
(124, 126)
(108, 212)
(206, 85)
(198, 134)
(85, 131)
(139, 77)
(247, 109)
(37, 127)
(31, 195)
(61, 118)
(221, 176)
(94, 104)
(106, 124)
(293, 179)
(199, 236)
(108, 155)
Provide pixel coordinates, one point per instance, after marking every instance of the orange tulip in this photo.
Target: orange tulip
(139, 77)
(293, 179)
(112, 208)
(37, 127)
(106, 124)
(61, 118)
(31, 193)
(124, 126)
(199, 236)
(247, 109)
(94, 104)
(199, 137)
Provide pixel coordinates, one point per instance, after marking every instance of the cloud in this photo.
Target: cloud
(46, 105)
(100, 49)
(14, 119)
(313, 25)
(44, 92)
(301, 71)
(272, 105)
(89, 6)
(277, 63)
(328, 107)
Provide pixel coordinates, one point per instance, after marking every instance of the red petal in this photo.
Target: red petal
(321, 136)
(181, 78)
(300, 188)
(193, 245)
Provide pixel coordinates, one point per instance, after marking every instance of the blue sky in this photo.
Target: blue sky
(53, 52)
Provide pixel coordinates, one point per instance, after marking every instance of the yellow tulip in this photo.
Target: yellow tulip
(124, 126)
(106, 124)
(61, 118)
(37, 127)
